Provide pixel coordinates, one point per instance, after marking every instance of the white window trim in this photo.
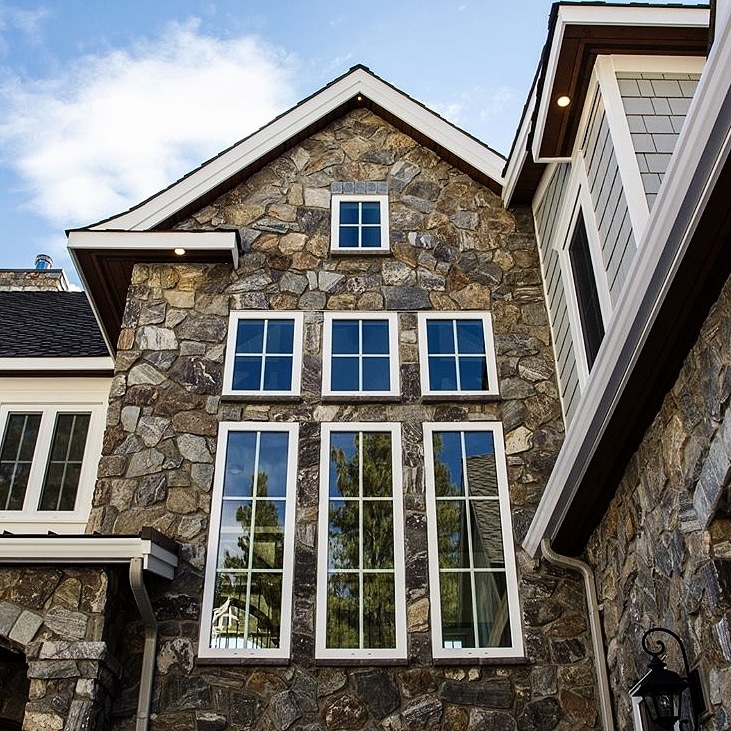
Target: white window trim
(577, 199)
(393, 356)
(438, 651)
(335, 201)
(228, 372)
(321, 650)
(34, 397)
(486, 319)
(282, 652)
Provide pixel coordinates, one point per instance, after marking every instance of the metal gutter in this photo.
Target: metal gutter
(147, 674)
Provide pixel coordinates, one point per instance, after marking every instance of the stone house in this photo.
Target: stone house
(365, 398)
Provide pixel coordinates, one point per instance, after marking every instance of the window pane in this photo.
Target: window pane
(268, 551)
(344, 374)
(265, 611)
(247, 373)
(442, 374)
(470, 337)
(440, 336)
(375, 337)
(371, 212)
(377, 470)
(63, 470)
(456, 604)
(278, 373)
(348, 237)
(473, 374)
(235, 539)
(344, 464)
(492, 609)
(343, 611)
(240, 451)
(376, 374)
(250, 336)
(280, 336)
(343, 535)
(451, 532)
(487, 537)
(448, 463)
(229, 611)
(16, 457)
(349, 211)
(272, 480)
(345, 340)
(379, 611)
(377, 535)
(371, 237)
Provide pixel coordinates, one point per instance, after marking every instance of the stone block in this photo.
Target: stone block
(9, 613)
(25, 627)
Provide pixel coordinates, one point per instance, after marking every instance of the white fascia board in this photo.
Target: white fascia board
(74, 550)
(520, 152)
(20, 365)
(191, 241)
(629, 16)
(700, 153)
(278, 132)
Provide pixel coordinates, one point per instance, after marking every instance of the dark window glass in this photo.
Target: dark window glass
(360, 225)
(590, 314)
(360, 356)
(457, 355)
(264, 355)
(16, 458)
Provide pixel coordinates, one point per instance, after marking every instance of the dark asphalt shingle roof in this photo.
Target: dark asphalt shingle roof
(37, 324)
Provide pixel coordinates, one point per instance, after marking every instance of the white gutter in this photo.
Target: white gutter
(147, 674)
(595, 626)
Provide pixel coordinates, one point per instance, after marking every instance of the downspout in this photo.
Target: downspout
(600, 663)
(136, 581)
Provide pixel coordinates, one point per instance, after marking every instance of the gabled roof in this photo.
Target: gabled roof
(105, 252)
(41, 329)
(358, 88)
(577, 34)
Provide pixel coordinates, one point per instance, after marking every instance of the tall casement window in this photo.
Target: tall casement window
(264, 354)
(359, 223)
(360, 354)
(590, 313)
(361, 603)
(457, 354)
(247, 600)
(44, 458)
(472, 575)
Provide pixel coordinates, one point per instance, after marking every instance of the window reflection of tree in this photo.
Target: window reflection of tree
(361, 609)
(248, 591)
(472, 576)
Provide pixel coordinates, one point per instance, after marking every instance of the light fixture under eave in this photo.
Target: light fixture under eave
(179, 251)
(563, 101)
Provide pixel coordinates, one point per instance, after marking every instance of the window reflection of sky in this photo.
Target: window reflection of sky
(240, 463)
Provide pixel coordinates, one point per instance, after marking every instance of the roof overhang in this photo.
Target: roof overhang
(99, 366)
(158, 554)
(578, 34)
(359, 88)
(105, 259)
(681, 265)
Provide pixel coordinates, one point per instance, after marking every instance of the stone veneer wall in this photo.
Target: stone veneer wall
(453, 247)
(662, 554)
(58, 618)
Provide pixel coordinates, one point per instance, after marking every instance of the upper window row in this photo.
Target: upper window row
(360, 354)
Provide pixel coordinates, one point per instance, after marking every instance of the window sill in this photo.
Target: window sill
(259, 398)
(332, 398)
(360, 252)
(462, 396)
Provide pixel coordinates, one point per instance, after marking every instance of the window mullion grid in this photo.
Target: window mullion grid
(456, 357)
(470, 543)
(361, 603)
(263, 353)
(361, 361)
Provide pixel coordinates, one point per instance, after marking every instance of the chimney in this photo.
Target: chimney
(42, 278)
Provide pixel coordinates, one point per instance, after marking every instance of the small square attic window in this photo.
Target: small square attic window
(359, 218)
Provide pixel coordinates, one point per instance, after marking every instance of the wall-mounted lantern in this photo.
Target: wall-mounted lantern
(662, 689)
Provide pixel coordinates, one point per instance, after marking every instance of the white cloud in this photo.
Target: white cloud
(496, 105)
(110, 130)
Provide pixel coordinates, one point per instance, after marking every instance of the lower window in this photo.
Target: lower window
(361, 607)
(247, 598)
(472, 573)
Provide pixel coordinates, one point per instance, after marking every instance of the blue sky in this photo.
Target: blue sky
(103, 103)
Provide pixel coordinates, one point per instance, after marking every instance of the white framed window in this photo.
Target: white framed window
(247, 600)
(359, 223)
(457, 354)
(360, 354)
(361, 596)
(472, 573)
(263, 354)
(48, 459)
